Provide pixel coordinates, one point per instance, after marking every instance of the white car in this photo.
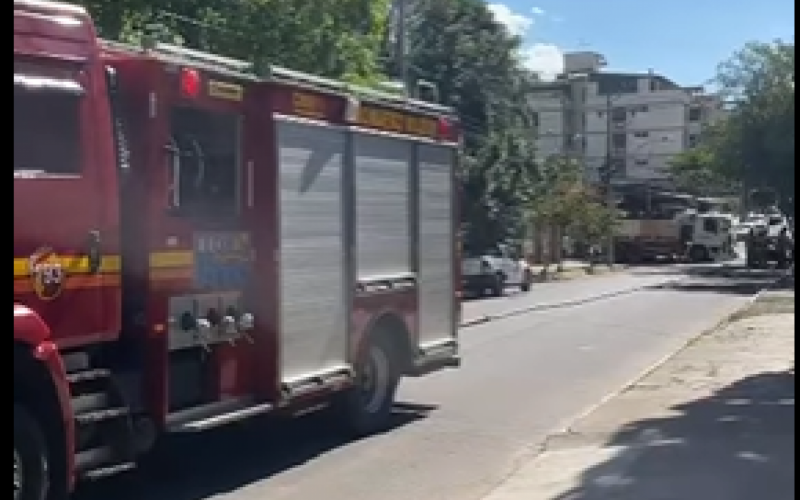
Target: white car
(493, 271)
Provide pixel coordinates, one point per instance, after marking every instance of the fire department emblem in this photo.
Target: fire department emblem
(47, 273)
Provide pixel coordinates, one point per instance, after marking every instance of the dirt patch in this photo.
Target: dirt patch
(768, 304)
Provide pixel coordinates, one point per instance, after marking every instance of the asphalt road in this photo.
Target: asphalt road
(459, 433)
(560, 292)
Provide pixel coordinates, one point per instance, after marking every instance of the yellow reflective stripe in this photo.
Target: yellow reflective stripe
(175, 258)
(75, 265)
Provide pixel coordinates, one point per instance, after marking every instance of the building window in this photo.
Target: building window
(695, 114)
(618, 114)
(618, 141)
(641, 134)
(641, 163)
(693, 139)
(535, 119)
(653, 85)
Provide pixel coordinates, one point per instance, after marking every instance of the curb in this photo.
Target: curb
(726, 320)
(559, 305)
(569, 274)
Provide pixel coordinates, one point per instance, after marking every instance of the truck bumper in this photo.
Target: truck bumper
(438, 357)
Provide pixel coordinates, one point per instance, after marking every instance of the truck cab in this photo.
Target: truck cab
(712, 237)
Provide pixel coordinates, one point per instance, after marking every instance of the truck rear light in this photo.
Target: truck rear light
(446, 129)
(190, 83)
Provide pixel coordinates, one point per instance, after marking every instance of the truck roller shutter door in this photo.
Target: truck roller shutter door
(436, 250)
(313, 294)
(383, 205)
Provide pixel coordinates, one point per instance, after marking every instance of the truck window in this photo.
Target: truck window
(710, 225)
(775, 221)
(204, 162)
(47, 126)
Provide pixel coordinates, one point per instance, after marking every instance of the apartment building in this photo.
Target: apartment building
(640, 120)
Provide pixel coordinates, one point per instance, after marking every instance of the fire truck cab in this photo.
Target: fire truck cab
(196, 244)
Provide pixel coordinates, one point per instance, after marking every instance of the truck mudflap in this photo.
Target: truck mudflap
(435, 357)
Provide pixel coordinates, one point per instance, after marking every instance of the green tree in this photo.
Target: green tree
(334, 38)
(754, 145)
(563, 201)
(697, 171)
(473, 60)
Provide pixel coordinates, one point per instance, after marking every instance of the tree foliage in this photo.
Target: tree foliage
(474, 61)
(562, 199)
(754, 145)
(334, 38)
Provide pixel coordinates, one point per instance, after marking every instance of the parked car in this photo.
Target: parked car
(493, 269)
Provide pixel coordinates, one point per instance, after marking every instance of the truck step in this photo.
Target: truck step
(95, 416)
(85, 376)
(103, 421)
(95, 458)
(111, 470)
(84, 403)
(215, 415)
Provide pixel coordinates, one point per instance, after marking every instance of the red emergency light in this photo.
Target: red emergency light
(190, 82)
(446, 129)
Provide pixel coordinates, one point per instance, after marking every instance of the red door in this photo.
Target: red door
(65, 229)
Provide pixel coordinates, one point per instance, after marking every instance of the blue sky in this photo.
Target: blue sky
(681, 39)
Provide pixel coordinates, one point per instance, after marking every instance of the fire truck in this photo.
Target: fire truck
(197, 243)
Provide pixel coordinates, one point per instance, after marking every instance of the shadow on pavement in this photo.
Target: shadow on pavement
(200, 466)
(735, 445)
(725, 279)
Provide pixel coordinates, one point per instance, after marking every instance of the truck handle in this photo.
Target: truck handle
(93, 252)
(175, 167)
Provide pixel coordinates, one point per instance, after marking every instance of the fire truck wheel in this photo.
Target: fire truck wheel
(367, 407)
(30, 458)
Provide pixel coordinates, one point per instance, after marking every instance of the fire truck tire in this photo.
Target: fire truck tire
(367, 407)
(31, 476)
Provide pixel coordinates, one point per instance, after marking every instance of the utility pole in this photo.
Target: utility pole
(401, 48)
(606, 176)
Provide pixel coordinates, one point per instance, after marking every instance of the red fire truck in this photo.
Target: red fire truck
(195, 244)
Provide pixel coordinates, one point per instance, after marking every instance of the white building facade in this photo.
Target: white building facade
(638, 121)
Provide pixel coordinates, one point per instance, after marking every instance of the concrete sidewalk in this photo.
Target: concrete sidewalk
(714, 422)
